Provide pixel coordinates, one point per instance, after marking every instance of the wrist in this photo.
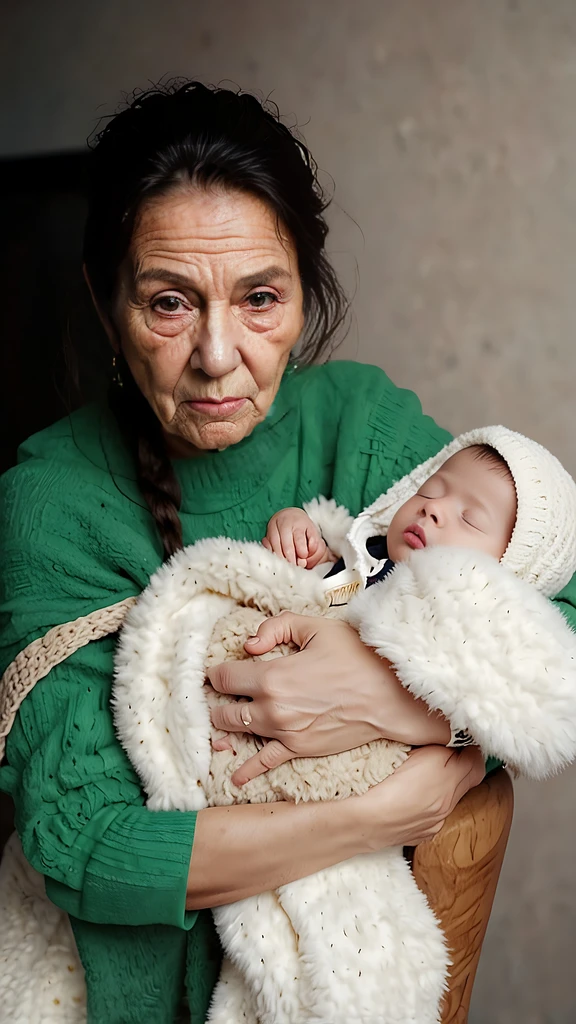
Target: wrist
(368, 824)
(407, 719)
(418, 726)
(436, 729)
(348, 825)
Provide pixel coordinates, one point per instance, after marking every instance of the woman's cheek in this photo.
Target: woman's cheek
(270, 337)
(167, 326)
(157, 361)
(159, 385)
(148, 335)
(139, 336)
(260, 323)
(266, 352)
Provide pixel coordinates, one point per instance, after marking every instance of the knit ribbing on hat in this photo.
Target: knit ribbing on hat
(542, 549)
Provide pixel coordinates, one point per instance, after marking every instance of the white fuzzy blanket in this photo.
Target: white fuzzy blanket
(356, 941)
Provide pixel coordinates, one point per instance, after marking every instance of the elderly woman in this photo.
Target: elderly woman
(205, 256)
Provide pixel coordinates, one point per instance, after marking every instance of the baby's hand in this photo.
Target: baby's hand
(292, 535)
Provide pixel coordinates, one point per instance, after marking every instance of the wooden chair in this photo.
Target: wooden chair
(458, 871)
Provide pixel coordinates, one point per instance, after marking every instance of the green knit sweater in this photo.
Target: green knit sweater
(76, 536)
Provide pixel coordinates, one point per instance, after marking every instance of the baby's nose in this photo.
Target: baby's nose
(433, 510)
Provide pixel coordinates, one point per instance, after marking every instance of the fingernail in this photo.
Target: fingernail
(252, 639)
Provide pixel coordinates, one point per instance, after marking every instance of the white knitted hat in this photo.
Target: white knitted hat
(542, 549)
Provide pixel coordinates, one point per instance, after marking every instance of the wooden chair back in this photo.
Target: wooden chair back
(458, 871)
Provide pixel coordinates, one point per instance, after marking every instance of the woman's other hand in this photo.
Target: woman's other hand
(332, 695)
(411, 806)
(248, 849)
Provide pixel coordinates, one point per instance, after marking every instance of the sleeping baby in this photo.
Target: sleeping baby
(447, 575)
(469, 502)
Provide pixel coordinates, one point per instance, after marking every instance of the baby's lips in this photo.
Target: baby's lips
(415, 536)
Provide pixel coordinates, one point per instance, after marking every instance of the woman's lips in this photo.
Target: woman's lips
(217, 407)
(414, 536)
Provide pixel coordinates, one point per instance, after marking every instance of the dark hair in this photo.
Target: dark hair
(187, 132)
(486, 453)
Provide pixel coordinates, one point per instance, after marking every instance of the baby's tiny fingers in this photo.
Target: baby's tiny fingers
(274, 538)
(321, 554)
(313, 538)
(287, 539)
(301, 542)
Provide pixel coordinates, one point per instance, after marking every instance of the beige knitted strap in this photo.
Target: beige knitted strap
(43, 654)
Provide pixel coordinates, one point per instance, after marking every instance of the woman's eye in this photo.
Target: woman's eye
(168, 304)
(262, 300)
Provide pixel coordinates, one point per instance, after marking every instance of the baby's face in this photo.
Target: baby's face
(468, 503)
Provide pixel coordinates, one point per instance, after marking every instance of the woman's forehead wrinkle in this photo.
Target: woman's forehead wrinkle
(188, 245)
(183, 225)
(210, 254)
(216, 249)
(275, 260)
(243, 271)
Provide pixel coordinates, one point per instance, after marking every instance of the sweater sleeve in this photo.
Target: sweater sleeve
(566, 602)
(385, 435)
(389, 435)
(80, 810)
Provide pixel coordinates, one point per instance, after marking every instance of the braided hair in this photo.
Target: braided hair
(187, 132)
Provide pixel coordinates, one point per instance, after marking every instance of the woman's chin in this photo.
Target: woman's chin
(224, 433)
(189, 437)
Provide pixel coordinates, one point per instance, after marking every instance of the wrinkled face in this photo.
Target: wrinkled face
(208, 307)
(468, 503)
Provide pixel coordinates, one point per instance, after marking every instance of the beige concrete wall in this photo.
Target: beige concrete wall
(449, 127)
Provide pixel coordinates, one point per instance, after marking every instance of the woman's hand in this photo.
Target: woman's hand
(250, 848)
(410, 806)
(332, 695)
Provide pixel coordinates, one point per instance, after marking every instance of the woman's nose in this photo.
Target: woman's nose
(217, 342)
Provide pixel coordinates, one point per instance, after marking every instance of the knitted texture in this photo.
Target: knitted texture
(542, 549)
(161, 710)
(76, 536)
(42, 655)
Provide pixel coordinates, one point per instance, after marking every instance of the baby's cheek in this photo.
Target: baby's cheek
(395, 544)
